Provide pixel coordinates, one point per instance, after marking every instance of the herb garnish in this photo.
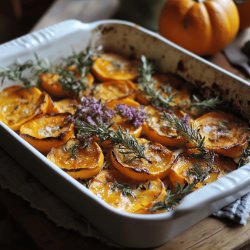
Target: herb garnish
(124, 188)
(207, 104)
(149, 86)
(245, 156)
(173, 197)
(67, 78)
(187, 131)
(94, 119)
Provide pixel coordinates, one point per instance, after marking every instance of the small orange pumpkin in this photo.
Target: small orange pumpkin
(244, 11)
(201, 26)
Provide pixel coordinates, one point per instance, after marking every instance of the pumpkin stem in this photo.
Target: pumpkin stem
(199, 1)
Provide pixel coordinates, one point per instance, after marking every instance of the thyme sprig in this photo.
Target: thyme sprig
(200, 173)
(127, 143)
(173, 197)
(28, 72)
(245, 156)
(206, 104)
(187, 131)
(123, 187)
(149, 87)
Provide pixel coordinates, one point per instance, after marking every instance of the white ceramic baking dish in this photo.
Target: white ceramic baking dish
(130, 230)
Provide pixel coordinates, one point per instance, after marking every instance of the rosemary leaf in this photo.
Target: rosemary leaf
(124, 188)
(173, 197)
(245, 156)
(127, 143)
(149, 87)
(187, 131)
(207, 104)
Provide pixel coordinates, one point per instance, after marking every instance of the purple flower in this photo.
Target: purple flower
(93, 112)
(135, 115)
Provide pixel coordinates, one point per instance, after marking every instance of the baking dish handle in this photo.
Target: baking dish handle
(229, 188)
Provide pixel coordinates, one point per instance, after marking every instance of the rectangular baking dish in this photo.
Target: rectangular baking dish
(130, 230)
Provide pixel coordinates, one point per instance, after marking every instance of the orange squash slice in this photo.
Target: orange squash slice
(125, 194)
(156, 129)
(47, 131)
(66, 105)
(78, 162)
(114, 67)
(157, 165)
(19, 105)
(224, 133)
(181, 173)
(108, 91)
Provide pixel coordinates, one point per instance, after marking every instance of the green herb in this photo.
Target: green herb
(68, 79)
(173, 197)
(72, 149)
(245, 156)
(187, 131)
(200, 174)
(149, 87)
(207, 104)
(127, 143)
(124, 188)
(16, 71)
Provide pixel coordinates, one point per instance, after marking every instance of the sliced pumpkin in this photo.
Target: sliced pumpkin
(224, 133)
(111, 66)
(169, 85)
(125, 194)
(108, 91)
(19, 105)
(157, 129)
(157, 165)
(66, 105)
(47, 131)
(78, 162)
(51, 84)
(182, 171)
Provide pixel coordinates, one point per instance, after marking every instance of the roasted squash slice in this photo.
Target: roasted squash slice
(47, 131)
(19, 105)
(125, 194)
(66, 105)
(157, 130)
(78, 162)
(224, 133)
(50, 83)
(168, 85)
(184, 167)
(114, 67)
(157, 165)
(112, 90)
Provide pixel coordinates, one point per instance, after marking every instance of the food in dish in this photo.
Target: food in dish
(137, 138)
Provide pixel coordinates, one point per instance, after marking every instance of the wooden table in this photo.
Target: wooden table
(210, 233)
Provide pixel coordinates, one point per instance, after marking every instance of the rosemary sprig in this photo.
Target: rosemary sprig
(15, 72)
(124, 188)
(148, 85)
(83, 61)
(72, 149)
(207, 104)
(127, 143)
(173, 197)
(198, 173)
(187, 131)
(245, 156)
(68, 79)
